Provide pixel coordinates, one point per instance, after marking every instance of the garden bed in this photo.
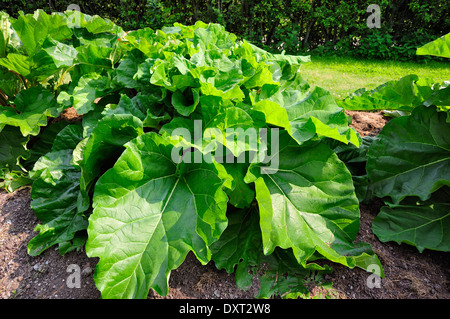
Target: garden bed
(408, 273)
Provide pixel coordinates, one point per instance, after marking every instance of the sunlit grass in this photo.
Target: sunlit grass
(342, 76)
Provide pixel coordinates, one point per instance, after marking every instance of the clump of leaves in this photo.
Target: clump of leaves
(408, 164)
(190, 140)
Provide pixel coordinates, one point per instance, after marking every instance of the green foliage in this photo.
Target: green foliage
(438, 47)
(322, 216)
(163, 162)
(322, 27)
(36, 68)
(403, 163)
(407, 164)
(138, 186)
(376, 45)
(167, 209)
(55, 193)
(423, 224)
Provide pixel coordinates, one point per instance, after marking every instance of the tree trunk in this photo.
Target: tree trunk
(309, 26)
(308, 32)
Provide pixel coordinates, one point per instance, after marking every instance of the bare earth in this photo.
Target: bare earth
(408, 273)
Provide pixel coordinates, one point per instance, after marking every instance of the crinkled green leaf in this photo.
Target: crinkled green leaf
(233, 127)
(104, 145)
(242, 194)
(94, 58)
(125, 106)
(55, 194)
(18, 63)
(304, 117)
(213, 36)
(126, 72)
(31, 109)
(12, 149)
(32, 29)
(220, 125)
(308, 204)
(261, 77)
(144, 107)
(5, 33)
(402, 95)
(9, 82)
(89, 87)
(43, 143)
(439, 47)
(94, 24)
(148, 214)
(146, 41)
(411, 157)
(425, 225)
(62, 54)
(240, 245)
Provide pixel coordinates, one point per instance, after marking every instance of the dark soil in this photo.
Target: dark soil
(408, 273)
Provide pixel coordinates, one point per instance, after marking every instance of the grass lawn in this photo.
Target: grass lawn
(342, 76)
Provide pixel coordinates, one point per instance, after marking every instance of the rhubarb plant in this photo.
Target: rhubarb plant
(190, 141)
(408, 164)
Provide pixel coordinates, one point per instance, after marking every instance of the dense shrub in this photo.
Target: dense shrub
(324, 27)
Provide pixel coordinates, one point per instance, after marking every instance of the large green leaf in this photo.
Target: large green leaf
(89, 87)
(146, 41)
(411, 157)
(439, 47)
(43, 143)
(18, 63)
(239, 249)
(55, 195)
(127, 69)
(12, 149)
(62, 54)
(5, 33)
(220, 125)
(309, 204)
(148, 214)
(240, 245)
(126, 106)
(31, 109)
(104, 145)
(242, 194)
(425, 225)
(32, 29)
(393, 95)
(213, 36)
(305, 116)
(9, 82)
(94, 58)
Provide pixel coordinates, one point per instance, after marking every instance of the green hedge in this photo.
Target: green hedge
(322, 27)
